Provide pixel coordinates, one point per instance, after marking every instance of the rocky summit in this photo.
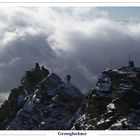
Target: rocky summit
(44, 102)
(114, 104)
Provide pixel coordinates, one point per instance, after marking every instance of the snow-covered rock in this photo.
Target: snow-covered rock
(41, 102)
(104, 83)
(51, 109)
(114, 104)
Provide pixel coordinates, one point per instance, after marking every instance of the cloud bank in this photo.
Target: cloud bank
(79, 41)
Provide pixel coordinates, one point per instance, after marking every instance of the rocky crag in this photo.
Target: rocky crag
(44, 102)
(114, 104)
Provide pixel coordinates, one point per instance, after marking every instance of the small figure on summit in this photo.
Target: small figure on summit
(32, 78)
(68, 78)
(37, 67)
(131, 64)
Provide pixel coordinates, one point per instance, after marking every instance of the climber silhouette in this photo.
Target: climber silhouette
(68, 78)
(37, 67)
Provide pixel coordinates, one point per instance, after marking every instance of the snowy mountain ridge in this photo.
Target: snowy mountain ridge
(45, 102)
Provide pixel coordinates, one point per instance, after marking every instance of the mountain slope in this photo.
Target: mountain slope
(47, 105)
(44, 102)
(114, 104)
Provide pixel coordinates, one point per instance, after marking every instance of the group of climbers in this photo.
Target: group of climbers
(33, 78)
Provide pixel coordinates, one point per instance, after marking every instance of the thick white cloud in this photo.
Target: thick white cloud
(79, 41)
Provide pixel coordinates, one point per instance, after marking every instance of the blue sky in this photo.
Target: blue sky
(122, 12)
(116, 13)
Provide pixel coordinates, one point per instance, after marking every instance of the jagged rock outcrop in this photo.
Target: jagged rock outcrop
(48, 105)
(49, 112)
(114, 104)
(44, 102)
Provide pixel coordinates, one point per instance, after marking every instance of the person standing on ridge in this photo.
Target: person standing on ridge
(37, 67)
(68, 78)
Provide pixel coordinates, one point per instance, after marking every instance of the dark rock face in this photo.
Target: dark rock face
(94, 114)
(48, 106)
(44, 113)
(112, 107)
